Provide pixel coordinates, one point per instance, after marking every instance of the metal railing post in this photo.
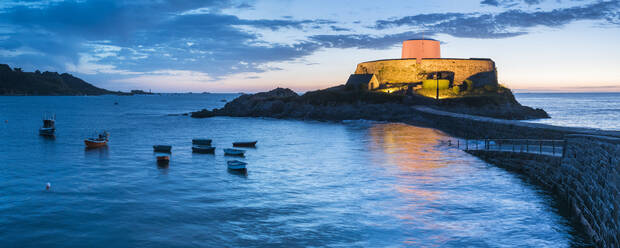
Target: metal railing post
(540, 152)
(527, 145)
(553, 147)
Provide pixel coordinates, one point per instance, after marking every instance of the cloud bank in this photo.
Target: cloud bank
(143, 39)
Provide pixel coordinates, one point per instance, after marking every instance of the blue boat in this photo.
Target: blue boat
(234, 152)
(236, 165)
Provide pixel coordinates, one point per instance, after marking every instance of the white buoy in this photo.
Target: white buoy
(48, 186)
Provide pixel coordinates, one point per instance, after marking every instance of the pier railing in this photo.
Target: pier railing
(536, 146)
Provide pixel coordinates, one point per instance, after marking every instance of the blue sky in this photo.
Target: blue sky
(231, 46)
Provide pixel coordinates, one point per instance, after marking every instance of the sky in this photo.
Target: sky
(249, 46)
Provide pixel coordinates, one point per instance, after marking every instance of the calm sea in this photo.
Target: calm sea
(594, 110)
(352, 184)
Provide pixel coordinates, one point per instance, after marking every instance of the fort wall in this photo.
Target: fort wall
(481, 71)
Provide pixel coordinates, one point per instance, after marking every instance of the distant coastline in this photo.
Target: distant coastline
(15, 82)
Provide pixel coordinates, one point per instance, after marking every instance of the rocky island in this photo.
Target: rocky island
(339, 103)
(387, 89)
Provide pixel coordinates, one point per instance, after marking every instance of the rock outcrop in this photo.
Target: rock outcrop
(338, 103)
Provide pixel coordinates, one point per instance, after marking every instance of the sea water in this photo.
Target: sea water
(321, 184)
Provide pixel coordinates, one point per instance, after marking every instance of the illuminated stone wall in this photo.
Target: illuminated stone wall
(409, 71)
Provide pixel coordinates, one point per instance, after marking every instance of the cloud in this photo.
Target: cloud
(509, 3)
(141, 38)
(363, 41)
(147, 35)
(509, 23)
(490, 2)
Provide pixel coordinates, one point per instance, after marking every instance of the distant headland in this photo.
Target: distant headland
(19, 83)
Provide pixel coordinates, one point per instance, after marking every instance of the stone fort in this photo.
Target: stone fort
(421, 61)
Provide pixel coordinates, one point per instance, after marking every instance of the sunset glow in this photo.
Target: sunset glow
(233, 46)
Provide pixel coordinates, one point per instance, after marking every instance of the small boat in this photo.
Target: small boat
(163, 160)
(99, 141)
(203, 149)
(236, 165)
(49, 126)
(233, 152)
(162, 148)
(245, 144)
(204, 142)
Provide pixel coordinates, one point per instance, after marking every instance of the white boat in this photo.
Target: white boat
(233, 152)
(236, 165)
(49, 126)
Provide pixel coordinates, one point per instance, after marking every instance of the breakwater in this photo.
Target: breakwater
(585, 179)
(479, 127)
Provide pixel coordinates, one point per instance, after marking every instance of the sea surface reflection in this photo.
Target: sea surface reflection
(318, 184)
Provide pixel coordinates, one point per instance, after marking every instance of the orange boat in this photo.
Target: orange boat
(101, 140)
(163, 160)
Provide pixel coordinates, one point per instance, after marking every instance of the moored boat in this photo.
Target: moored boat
(204, 142)
(203, 149)
(99, 141)
(49, 126)
(245, 144)
(163, 160)
(234, 152)
(237, 165)
(162, 148)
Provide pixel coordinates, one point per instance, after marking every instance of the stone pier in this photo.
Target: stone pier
(585, 179)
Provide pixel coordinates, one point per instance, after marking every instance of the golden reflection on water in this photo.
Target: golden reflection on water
(416, 153)
(408, 147)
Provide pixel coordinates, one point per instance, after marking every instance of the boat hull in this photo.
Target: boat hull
(245, 144)
(162, 148)
(234, 152)
(236, 165)
(95, 144)
(47, 131)
(204, 142)
(163, 160)
(202, 149)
